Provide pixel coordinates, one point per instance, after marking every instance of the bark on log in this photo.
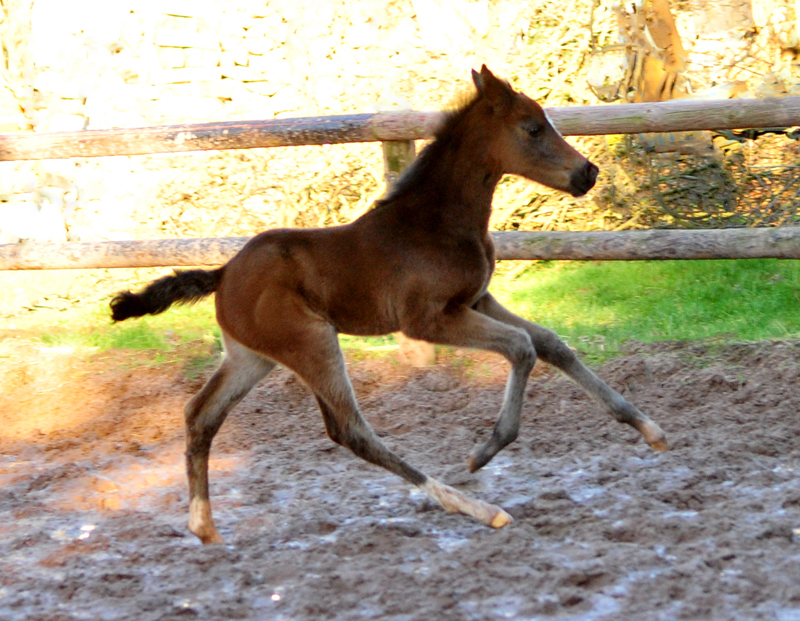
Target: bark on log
(33, 255)
(780, 243)
(678, 115)
(650, 245)
(223, 135)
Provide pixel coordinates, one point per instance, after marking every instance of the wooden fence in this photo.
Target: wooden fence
(671, 116)
(397, 130)
(779, 243)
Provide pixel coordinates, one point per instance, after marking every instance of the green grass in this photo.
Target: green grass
(603, 305)
(596, 307)
(180, 324)
(362, 346)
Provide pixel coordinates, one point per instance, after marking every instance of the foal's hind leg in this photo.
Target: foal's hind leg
(206, 411)
(320, 363)
(553, 350)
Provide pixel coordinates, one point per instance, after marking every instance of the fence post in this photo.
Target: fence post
(397, 154)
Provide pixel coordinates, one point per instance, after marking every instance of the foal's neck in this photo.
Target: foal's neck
(452, 182)
(463, 179)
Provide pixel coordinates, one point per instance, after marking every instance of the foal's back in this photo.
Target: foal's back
(373, 276)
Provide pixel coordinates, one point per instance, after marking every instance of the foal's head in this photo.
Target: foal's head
(524, 141)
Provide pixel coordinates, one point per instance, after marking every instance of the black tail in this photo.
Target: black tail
(183, 287)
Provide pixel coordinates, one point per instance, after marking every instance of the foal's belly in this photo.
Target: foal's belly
(383, 304)
(380, 289)
(361, 316)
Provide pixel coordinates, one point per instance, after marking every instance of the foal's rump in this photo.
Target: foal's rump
(289, 260)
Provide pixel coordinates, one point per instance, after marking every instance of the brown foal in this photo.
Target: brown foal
(419, 262)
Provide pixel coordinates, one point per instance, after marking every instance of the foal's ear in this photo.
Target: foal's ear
(478, 80)
(497, 92)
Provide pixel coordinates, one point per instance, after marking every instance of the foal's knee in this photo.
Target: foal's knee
(552, 349)
(523, 351)
(332, 426)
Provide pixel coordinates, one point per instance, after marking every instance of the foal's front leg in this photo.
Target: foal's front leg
(554, 351)
(468, 328)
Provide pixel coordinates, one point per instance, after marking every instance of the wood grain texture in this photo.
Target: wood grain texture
(779, 243)
(650, 245)
(678, 115)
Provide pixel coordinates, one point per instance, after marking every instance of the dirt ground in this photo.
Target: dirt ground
(93, 505)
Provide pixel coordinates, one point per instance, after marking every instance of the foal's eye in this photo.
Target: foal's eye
(534, 131)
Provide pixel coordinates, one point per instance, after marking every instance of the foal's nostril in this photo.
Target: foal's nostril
(583, 179)
(591, 172)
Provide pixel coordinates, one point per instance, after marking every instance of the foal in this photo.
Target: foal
(419, 262)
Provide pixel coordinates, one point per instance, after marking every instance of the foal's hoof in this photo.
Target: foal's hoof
(654, 435)
(472, 465)
(215, 538)
(659, 445)
(207, 536)
(501, 519)
(481, 456)
(455, 502)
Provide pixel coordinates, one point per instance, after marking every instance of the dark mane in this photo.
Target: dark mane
(418, 170)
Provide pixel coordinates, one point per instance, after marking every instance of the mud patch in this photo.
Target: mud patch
(93, 503)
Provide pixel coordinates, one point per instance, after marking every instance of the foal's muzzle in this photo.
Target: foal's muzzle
(582, 180)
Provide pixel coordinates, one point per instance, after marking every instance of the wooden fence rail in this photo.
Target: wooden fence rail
(679, 115)
(781, 243)
(395, 130)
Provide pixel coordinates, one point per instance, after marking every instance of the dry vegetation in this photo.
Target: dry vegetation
(551, 52)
